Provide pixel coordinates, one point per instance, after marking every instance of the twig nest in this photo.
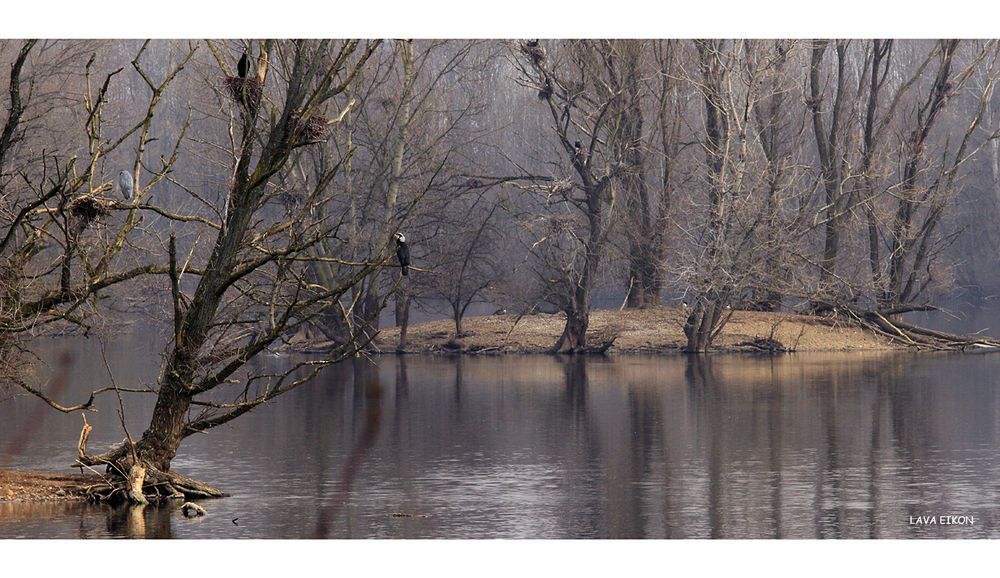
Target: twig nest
(311, 129)
(245, 91)
(192, 510)
(85, 210)
(534, 51)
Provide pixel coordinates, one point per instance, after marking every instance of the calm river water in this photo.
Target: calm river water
(734, 446)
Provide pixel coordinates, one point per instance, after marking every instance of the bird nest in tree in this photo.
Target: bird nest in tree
(560, 224)
(291, 199)
(86, 210)
(534, 51)
(312, 129)
(245, 91)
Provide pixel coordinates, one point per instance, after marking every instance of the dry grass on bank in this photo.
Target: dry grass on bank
(654, 330)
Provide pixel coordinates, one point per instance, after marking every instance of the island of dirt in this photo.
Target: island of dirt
(633, 331)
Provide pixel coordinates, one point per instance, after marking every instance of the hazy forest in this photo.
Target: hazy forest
(234, 196)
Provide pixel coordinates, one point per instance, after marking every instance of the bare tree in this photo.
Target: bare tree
(730, 258)
(252, 287)
(411, 137)
(574, 86)
(58, 246)
(466, 260)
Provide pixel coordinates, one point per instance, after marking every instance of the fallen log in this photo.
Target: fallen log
(915, 335)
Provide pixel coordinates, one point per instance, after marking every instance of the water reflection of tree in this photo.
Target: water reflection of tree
(459, 385)
(775, 403)
(141, 521)
(584, 449)
(832, 411)
(645, 417)
(706, 401)
(367, 402)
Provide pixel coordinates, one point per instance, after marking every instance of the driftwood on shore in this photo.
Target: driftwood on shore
(917, 337)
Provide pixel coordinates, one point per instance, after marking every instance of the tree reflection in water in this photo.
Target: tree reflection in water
(728, 446)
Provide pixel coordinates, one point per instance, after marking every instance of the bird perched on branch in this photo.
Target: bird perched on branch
(244, 66)
(402, 253)
(126, 184)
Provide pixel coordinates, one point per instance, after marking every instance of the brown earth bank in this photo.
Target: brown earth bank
(44, 487)
(652, 330)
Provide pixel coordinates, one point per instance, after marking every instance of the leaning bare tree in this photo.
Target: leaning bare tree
(252, 287)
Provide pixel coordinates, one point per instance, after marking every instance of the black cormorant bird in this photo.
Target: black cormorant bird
(402, 253)
(244, 66)
(126, 184)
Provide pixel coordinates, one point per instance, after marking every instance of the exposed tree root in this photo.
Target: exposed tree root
(156, 487)
(128, 479)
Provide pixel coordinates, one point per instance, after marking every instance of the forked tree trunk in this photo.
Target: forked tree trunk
(574, 335)
(702, 325)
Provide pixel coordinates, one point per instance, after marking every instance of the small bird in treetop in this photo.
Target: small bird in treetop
(126, 184)
(244, 66)
(402, 253)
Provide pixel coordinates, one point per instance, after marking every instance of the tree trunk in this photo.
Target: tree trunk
(366, 313)
(457, 316)
(702, 324)
(162, 438)
(574, 335)
(830, 147)
(644, 290)
(643, 240)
